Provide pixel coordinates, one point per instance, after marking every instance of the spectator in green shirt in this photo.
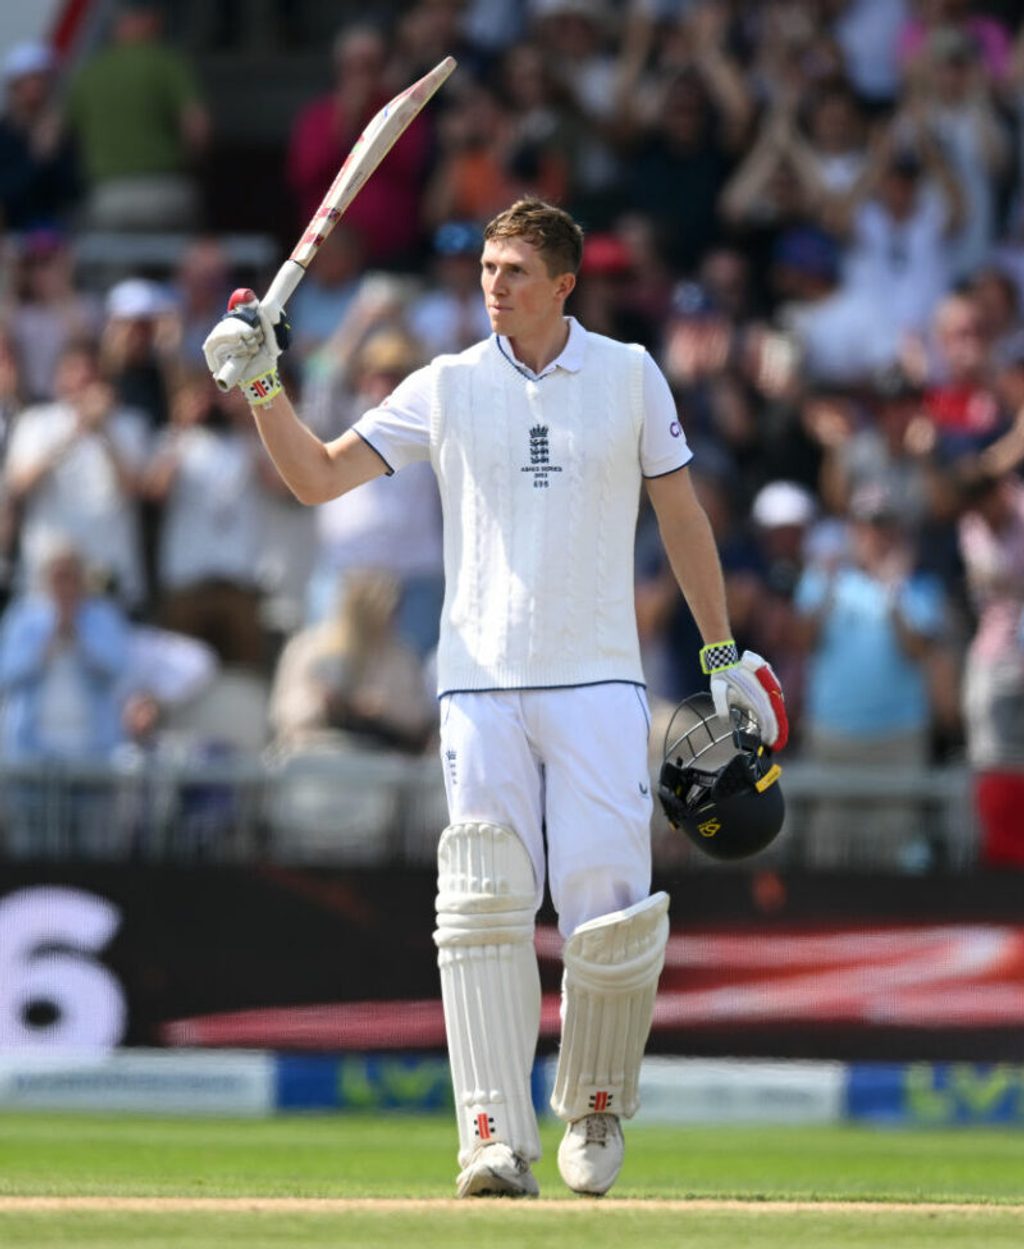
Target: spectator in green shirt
(140, 122)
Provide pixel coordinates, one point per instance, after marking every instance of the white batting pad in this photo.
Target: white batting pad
(490, 985)
(612, 965)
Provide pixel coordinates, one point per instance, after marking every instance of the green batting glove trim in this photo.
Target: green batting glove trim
(718, 656)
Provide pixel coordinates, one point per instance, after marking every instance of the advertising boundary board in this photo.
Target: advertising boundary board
(264, 957)
(673, 1091)
(140, 1082)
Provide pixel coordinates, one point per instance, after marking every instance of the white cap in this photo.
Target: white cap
(783, 503)
(137, 297)
(27, 58)
(595, 10)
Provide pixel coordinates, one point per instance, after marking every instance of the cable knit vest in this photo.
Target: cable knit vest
(540, 485)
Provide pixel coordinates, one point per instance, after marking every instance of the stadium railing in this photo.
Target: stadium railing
(324, 805)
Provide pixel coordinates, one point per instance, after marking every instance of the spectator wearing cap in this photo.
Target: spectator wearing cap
(140, 357)
(139, 346)
(136, 111)
(716, 369)
(73, 466)
(44, 310)
(698, 337)
(805, 264)
(601, 298)
(783, 514)
(651, 280)
(868, 624)
(829, 325)
(38, 168)
(449, 315)
(992, 543)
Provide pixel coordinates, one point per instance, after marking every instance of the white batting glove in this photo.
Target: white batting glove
(243, 347)
(749, 682)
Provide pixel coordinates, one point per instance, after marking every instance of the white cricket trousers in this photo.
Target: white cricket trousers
(567, 765)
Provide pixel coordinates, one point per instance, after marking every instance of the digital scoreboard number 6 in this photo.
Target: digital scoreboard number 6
(53, 990)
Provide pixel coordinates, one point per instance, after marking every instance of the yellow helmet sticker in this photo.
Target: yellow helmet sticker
(769, 778)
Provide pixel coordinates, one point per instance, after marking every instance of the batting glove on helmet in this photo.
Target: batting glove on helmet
(752, 685)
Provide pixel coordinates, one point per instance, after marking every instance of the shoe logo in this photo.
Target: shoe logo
(540, 458)
(644, 789)
(601, 1101)
(484, 1127)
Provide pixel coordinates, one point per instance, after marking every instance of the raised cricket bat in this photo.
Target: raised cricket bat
(369, 150)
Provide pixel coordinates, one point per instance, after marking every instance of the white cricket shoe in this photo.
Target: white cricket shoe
(590, 1155)
(496, 1171)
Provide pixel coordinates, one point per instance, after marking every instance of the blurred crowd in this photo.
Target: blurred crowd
(810, 211)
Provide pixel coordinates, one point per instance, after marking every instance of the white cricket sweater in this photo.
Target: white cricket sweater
(540, 486)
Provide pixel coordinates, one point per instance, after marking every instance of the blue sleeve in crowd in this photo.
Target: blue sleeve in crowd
(810, 591)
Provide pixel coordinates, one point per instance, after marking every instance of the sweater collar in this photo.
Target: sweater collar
(570, 359)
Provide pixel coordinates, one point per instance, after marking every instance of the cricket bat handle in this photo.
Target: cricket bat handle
(278, 293)
(228, 375)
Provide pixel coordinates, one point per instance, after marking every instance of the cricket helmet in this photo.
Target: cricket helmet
(718, 783)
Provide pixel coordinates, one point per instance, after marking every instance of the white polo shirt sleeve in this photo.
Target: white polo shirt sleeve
(663, 445)
(399, 429)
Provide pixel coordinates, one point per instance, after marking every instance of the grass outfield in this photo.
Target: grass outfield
(374, 1181)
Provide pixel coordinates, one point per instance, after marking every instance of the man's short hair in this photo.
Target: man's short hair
(551, 230)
